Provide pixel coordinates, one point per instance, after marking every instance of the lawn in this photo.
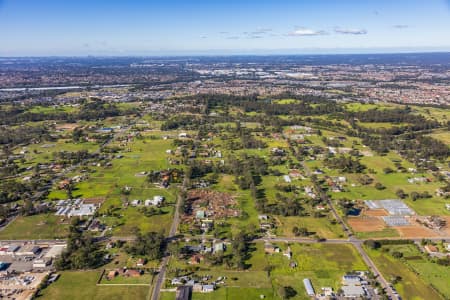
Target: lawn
(44, 226)
(320, 226)
(411, 286)
(74, 285)
(334, 260)
(430, 272)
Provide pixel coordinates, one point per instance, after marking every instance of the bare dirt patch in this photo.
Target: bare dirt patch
(96, 200)
(415, 231)
(67, 126)
(366, 224)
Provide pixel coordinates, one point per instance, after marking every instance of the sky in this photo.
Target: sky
(220, 27)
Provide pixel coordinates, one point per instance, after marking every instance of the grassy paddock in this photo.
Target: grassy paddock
(74, 285)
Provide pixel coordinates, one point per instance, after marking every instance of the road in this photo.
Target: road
(355, 242)
(154, 294)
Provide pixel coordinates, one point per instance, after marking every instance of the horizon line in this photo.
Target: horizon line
(224, 54)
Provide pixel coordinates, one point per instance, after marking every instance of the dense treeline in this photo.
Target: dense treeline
(346, 164)
(24, 134)
(396, 115)
(89, 110)
(150, 245)
(82, 252)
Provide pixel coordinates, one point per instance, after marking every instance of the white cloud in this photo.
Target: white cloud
(400, 26)
(350, 31)
(302, 31)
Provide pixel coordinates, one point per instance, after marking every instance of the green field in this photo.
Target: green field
(75, 285)
(411, 286)
(321, 227)
(45, 226)
(430, 272)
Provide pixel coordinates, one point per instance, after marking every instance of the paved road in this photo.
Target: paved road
(154, 295)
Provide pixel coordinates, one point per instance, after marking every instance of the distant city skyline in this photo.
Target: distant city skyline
(176, 27)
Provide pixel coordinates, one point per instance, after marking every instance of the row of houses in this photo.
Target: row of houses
(156, 201)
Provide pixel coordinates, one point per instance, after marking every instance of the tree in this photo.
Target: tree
(28, 207)
(82, 252)
(387, 170)
(150, 244)
(379, 186)
(401, 194)
(302, 231)
(372, 244)
(286, 292)
(397, 254)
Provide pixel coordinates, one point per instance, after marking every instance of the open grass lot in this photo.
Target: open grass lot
(75, 285)
(43, 152)
(375, 125)
(320, 226)
(132, 218)
(356, 106)
(45, 226)
(430, 272)
(434, 113)
(443, 136)
(411, 286)
(335, 261)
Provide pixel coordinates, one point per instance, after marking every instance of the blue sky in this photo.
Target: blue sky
(176, 27)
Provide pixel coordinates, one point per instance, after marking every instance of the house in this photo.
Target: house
(287, 179)
(295, 174)
(197, 287)
(157, 200)
(112, 274)
(140, 262)
(207, 288)
(263, 217)
(135, 202)
(288, 252)
(270, 249)
(431, 249)
(218, 247)
(179, 280)
(200, 214)
(196, 259)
